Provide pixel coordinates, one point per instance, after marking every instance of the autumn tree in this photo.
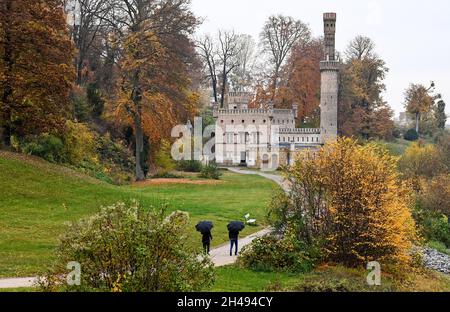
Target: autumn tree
(419, 101)
(153, 85)
(300, 80)
(362, 110)
(351, 198)
(278, 37)
(36, 71)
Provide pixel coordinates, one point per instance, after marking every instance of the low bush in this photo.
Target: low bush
(163, 158)
(125, 248)
(189, 166)
(210, 171)
(436, 228)
(79, 143)
(411, 135)
(46, 146)
(166, 175)
(435, 195)
(270, 253)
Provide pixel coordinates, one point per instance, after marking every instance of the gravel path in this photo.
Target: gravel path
(435, 260)
(221, 256)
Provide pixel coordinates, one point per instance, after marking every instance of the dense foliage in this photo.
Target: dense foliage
(210, 171)
(411, 135)
(127, 248)
(351, 198)
(36, 72)
(270, 253)
(427, 168)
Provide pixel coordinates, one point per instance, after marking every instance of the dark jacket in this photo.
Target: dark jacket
(206, 237)
(233, 235)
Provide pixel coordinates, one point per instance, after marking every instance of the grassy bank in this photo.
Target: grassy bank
(38, 198)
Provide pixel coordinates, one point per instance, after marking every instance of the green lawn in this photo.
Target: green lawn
(38, 198)
(325, 279)
(234, 279)
(396, 147)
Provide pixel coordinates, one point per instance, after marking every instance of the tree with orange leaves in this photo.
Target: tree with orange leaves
(153, 83)
(362, 109)
(300, 82)
(36, 71)
(351, 198)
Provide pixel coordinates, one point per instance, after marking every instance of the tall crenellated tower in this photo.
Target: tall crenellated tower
(329, 69)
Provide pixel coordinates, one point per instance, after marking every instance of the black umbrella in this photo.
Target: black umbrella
(236, 226)
(204, 226)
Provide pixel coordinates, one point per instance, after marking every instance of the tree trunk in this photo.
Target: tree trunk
(417, 122)
(224, 87)
(140, 176)
(79, 70)
(138, 132)
(214, 86)
(6, 130)
(275, 82)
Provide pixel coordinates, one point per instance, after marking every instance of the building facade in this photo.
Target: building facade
(268, 138)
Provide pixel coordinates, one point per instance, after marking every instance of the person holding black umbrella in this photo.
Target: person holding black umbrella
(206, 240)
(205, 227)
(233, 233)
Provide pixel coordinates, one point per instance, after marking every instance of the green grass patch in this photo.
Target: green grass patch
(234, 279)
(439, 246)
(396, 147)
(325, 279)
(19, 290)
(39, 198)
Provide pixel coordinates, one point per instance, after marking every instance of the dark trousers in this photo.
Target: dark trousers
(234, 242)
(206, 247)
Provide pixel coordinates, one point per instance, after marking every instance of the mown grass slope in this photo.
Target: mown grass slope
(37, 199)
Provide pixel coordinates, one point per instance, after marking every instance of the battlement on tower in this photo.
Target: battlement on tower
(329, 65)
(329, 16)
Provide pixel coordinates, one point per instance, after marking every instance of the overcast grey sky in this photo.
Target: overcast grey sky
(413, 37)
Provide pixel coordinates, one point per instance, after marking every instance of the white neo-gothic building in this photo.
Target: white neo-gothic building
(268, 138)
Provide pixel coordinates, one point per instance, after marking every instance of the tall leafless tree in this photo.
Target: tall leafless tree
(208, 54)
(88, 20)
(228, 51)
(241, 77)
(279, 35)
(359, 48)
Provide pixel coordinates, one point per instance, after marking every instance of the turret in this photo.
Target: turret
(329, 69)
(329, 24)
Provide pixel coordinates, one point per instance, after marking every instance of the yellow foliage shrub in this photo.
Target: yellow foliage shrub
(435, 195)
(352, 196)
(420, 162)
(79, 143)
